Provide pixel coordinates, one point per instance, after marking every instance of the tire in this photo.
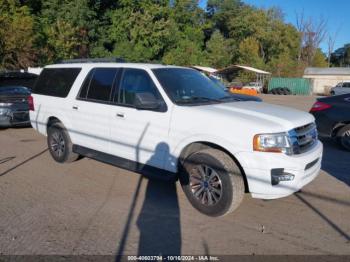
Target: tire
(280, 91)
(343, 136)
(286, 91)
(332, 93)
(219, 195)
(59, 144)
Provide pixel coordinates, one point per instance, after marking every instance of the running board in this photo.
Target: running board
(143, 169)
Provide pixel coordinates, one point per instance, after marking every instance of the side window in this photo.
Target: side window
(98, 84)
(135, 81)
(56, 81)
(347, 85)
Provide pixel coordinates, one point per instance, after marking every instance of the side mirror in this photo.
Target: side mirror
(146, 101)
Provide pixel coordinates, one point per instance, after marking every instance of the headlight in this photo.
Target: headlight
(276, 143)
(5, 104)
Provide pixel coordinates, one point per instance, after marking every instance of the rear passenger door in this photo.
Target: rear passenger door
(90, 110)
(138, 135)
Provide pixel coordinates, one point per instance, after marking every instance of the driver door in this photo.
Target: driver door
(138, 135)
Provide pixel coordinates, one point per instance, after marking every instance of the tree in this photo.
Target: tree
(217, 51)
(78, 17)
(249, 50)
(63, 41)
(272, 34)
(312, 33)
(319, 60)
(16, 36)
(186, 53)
(221, 11)
(141, 31)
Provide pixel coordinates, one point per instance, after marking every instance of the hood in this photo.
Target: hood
(259, 115)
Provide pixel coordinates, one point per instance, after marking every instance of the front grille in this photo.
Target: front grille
(303, 138)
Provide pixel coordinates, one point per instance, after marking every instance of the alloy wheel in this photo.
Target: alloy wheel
(206, 185)
(57, 144)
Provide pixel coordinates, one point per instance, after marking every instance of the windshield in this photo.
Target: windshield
(218, 82)
(188, 86)
(14, 90)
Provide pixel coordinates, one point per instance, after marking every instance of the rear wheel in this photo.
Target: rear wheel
(343, 136)
(212, 182)
(60, 145)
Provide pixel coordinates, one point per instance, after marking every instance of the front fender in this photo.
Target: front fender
(172, 162)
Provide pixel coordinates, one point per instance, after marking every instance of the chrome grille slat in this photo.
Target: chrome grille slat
(305, 130)
(303, 138)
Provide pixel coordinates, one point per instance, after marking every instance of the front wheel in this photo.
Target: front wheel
(212, 182)
(343, 136)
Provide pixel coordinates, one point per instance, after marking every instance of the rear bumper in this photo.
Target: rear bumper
(16, 118)
(258, 167)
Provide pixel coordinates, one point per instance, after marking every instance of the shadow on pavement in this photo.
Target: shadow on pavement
(6, 159)
(23, 162)
(159, 219)
(324, 217)
(336, 161)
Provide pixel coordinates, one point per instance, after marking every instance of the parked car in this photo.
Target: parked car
(17, 78)
(237, 96)
(341, 88)
(167, 120)
(254, 85)
(235, 85)
(14, 108)
(333, 118)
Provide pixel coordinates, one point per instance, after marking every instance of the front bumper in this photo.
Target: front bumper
(258, 165)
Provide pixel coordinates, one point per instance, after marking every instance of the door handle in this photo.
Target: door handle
(75, 107)
(121, 115)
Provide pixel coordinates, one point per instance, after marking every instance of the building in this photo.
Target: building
(322, 79)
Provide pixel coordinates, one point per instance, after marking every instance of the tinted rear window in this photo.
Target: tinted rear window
(17, 79)
(98, 84)
(56, 81)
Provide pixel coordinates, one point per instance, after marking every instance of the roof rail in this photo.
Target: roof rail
(93, 60)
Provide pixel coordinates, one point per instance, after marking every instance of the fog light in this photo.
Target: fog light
(278, 175)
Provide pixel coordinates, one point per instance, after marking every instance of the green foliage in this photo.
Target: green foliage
(186, 53)
(140, 31)
(37, 32)
(16, 35)
(217, 51)
(319, 60)
(249, 53)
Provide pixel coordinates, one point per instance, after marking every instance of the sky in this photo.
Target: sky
(336, 12)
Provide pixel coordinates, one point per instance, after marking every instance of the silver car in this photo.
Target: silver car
(341, 88)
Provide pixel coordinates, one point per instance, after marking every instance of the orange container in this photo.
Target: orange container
(250, 92)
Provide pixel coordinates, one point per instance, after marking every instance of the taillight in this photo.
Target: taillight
(319, 106)
(31, 103)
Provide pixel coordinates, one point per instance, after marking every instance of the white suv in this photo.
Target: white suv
(168, 120)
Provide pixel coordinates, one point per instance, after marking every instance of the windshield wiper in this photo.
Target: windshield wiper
(229, 98)
(197, 99)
